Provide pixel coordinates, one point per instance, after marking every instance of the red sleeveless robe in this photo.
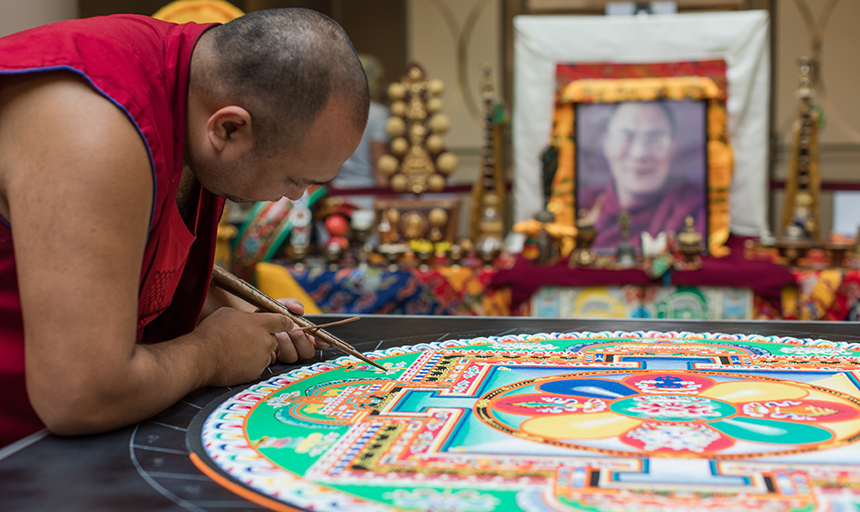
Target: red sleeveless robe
(142, 66)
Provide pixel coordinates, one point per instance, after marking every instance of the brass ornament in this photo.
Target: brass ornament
(398, 183)
(436, 183)
(399, 147)
(387, 164)
(395, 127)
(440, 123)
(446, 163)
(416, 110)
(438, 217)
(434, 105)
(414, 127)
(398, 109)
(396, 91)
(415, 73)
(435, 87)
(417, 133)
(414, 225)
(434, 144)
(393, 215)
(417, 164)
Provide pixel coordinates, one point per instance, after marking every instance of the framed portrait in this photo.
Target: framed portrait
(651, 140)
(563, 63)
(647, 158)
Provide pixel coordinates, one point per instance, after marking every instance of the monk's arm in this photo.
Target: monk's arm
(76, 185)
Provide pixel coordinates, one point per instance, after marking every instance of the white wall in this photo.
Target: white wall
(17, 15)
(433, 40)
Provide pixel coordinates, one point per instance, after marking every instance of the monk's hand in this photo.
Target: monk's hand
(241, 344)
(295, 345)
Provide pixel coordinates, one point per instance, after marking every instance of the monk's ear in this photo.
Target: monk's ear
(229, 131)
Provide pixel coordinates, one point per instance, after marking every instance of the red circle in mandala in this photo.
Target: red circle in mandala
(658, 383)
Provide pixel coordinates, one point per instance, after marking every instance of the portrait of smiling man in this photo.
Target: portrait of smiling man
(648, 160)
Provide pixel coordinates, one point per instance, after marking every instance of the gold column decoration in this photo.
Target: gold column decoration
(488, 192)
(800, 210)
(417, 161)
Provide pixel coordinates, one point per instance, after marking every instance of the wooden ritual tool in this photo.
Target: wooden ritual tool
(245, 291)
(329, 324)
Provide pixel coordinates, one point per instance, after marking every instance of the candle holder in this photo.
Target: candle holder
(793, 249)
(585, 234)
(690, 243)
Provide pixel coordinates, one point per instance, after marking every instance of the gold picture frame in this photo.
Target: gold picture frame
(562, 200)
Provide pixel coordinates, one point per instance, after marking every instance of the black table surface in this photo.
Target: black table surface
(146, 466)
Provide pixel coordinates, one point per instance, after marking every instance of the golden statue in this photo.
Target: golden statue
(416, 161)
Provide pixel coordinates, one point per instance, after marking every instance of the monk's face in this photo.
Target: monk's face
(639, 147)
(268, 174)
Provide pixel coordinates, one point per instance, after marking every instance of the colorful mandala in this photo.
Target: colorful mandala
(579, 421)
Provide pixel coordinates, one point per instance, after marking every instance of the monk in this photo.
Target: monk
(640, 145)
(120, 138)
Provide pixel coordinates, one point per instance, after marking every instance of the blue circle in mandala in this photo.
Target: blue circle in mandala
(592, 388)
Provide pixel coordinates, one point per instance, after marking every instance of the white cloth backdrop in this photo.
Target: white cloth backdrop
(740, 38)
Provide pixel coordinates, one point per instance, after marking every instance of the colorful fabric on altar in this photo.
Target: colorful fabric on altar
(676, 302)
(832, 294)
(713, 69)
(410, 291)
(764, 277)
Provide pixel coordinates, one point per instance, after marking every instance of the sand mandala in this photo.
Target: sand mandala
(606, 421)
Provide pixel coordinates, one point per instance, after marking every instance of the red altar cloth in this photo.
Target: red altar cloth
(764, 277)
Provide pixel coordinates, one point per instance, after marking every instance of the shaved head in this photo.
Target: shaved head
(283, 66)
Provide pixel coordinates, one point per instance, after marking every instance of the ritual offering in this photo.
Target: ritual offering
(625, 253)
(581, 421)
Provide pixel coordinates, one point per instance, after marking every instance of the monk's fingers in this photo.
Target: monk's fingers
(319, 343)
(294, 305)
(276, 322)
(286, 350)
(304, 344)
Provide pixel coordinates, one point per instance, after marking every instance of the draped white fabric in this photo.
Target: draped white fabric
(740, 38)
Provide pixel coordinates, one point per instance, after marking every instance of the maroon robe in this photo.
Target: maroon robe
(662, 212)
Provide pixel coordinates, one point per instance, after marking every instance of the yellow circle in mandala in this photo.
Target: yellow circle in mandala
(579, 426)
(746, 391)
